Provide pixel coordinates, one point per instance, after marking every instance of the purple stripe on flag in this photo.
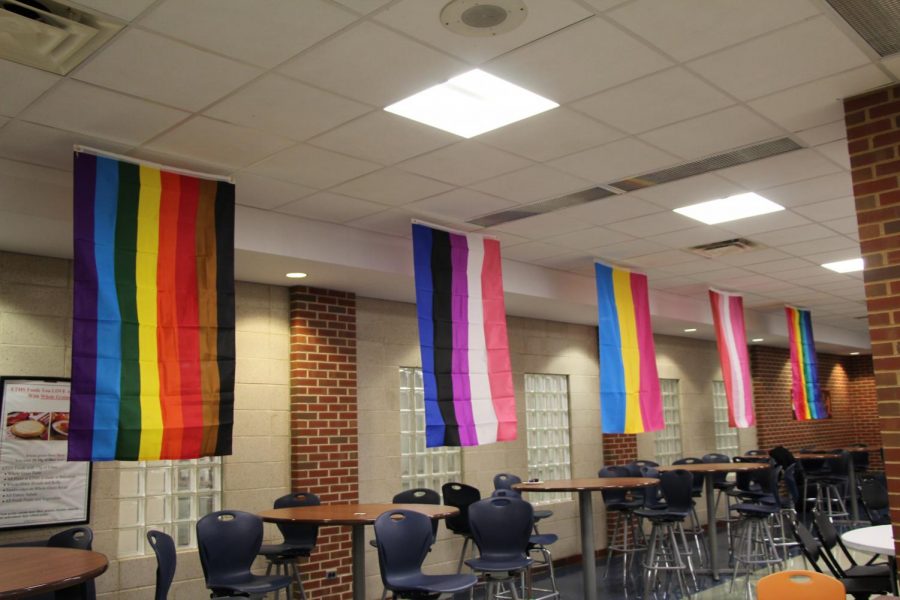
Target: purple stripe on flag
(462, 392)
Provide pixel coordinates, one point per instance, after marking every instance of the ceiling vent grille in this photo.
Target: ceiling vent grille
(874, 20)
(725, 247)
(710, 163)
(542, 207)
(50, 34)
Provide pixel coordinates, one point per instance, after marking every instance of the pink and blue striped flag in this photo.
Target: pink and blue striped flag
(467, 375)
(731, 337)
(805, 392)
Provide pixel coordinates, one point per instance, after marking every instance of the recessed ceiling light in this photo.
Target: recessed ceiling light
(471, 104)
(854, 354)
(731, 208)
(690, 330)
(297, 275)
(845, 266)
(757, 340)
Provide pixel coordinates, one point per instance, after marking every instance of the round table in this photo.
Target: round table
(29, 571)
(356, 516)
(584, 487)
(710, 470)
(878, 539)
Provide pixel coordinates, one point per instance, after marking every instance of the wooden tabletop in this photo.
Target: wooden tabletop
(26, 571)
(816, 455)
(350, 514)
(717, 467)
(586, 484)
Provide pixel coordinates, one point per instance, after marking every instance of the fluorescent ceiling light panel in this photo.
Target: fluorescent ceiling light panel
(297, 275)
(471, 104)
(757, 340)
(690, 330)
(731, 208)
(845, 266)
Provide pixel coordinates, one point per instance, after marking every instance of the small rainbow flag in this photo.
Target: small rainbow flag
(153, 332)
(630, 400)
(469, 399)
(805, 392)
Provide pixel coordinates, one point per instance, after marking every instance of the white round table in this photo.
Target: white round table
(878, 539)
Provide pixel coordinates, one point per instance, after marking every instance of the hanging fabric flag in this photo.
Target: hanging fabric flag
(731, 337)
(469, 397)
(153, 330)
(630, 400)
(805, 392)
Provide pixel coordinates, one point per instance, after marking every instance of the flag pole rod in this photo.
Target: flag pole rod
(136, 161)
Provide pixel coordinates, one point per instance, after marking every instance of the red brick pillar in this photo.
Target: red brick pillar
(618, 449)
(873, 140)
(324, 426)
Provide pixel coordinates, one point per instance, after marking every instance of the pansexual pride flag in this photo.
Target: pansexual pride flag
(153, 332)
(469, 397)
(731, 337)
(630, 401)
(805, 392)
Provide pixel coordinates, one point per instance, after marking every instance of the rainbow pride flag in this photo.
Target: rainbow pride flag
(469, 399)
(630, 400)
(153, 332)
(805, 392)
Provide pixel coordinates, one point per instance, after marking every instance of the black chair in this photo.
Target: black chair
(636, 469)
(783, 457)
(501, 528)
(755, 544)
(460, 496)
(403, 539)
(80, 538)
(832, 485)
(830, 540)
(756, 453)
(299, 540)
(875, 501)
(164, 547)
(228, 542)
(627, 525)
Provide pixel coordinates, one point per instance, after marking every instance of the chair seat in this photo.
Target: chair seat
(259, 584)
(432, 584)
(753, 510)
(284, 550)
(624, 505)
(543, 539)
(878, 570)
(663, 515)
(542, 514)
(724, 485)
(496, 566)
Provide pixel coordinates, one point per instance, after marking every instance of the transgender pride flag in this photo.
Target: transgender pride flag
(728, 318)
(469, 397)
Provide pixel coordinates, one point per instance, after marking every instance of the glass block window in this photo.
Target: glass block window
(726, 437)
(421, 467)
(168, 495)
(668, 441)
(547, 424)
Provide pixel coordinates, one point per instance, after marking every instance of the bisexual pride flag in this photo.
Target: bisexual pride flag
(731, 339)
(805, 392)
(469, 397)
(630, 399)
(153, 331)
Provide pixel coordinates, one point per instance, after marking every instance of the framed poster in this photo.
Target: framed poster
(38, 486)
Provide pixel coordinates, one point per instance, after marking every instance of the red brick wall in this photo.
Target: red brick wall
(324, 431)
(873, 141)
(618, 449)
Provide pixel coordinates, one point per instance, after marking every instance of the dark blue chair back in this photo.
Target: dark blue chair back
(697, 486)
(164, 547)
(757, 453)
(505, 481)
(636, 467)
(301, 535)
(501, 527)
(506, 494)
(715, 457)
(403, 538)
(676, 488)
(792, 485)
(744, 479)
(650, 494)
(614, 496)
(461, 496)
(420, 496)
(840, 465)
(79, 538)
(228, 542)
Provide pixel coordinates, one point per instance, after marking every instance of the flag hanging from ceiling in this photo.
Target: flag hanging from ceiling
(469, 397)
(153, 332)
(805, 392)
(630, 399)
(731, 338)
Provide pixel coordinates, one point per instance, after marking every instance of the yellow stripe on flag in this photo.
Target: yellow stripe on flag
(631, 357)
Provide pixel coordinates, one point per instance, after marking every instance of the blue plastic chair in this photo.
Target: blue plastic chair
(501, 527)
(419, 496)
(403, 538)
(228, 542)
(299, 540)
(461, 496)
(164, 547)
(505, 481)
(80, 538)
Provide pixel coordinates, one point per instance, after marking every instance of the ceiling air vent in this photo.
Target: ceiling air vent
(874, 20)
(717, 249)
(50, 34)
(710, 163)
(542, 207)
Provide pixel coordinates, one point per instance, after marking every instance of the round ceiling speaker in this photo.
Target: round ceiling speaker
(483, 18)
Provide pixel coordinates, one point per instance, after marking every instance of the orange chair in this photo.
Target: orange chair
(800, 585)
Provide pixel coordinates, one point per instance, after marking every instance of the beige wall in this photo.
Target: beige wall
(35, 339)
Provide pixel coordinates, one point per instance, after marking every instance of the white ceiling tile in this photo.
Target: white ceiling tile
(691, 28)
(347, 64)
(818, 102)
(392, 187)
(770, 222)
(837, 242)
(530, 251)
(327, 206)
(99, 113)
(312, 167)
(722, 130)
(574, 262)
(821, 258)
(650, 225)
(694, 236)
(461, 204)
(778, 170)
(464, 163)
(748, 257)
(689, 191)
(803, 52)
(266, 193)
(615, 161)
(384, 138)
(178, 75)
(263, 36)
(421, 20)
(363, 6)
(776, 266)
(610, 210)
(218, 142)
(543, 226)
(830, 132)
(665, 259)
(654, 101)
(550, 134)
(601, 5)
(829, 209)
(585, 239)
(47, 146)
(391, 222)
(33, 190)
(21, 86)
(629, 249)
(3, 121)
(286, 107)
(837, 152)
(791, 235)
(846, 225)
(122, 9)
(700, 267)
(580, 60)
(189, 163)
(754, 283)
(810, 190)
(892, 64)
(533, 183)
